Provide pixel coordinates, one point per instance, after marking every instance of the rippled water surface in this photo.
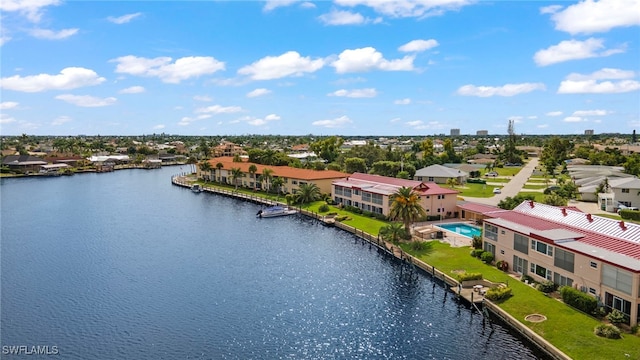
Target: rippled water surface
(126, 265)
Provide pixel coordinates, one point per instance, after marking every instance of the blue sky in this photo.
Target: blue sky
(346, 67)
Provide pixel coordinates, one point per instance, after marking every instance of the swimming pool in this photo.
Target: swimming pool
(462, 229)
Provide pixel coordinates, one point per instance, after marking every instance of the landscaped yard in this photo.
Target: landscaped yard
(533, 186)
(475, 190)
(568, 329)
(538, 195)
(508, 171)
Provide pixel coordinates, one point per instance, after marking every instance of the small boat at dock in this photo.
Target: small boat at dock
(275, 211)
(196, 188)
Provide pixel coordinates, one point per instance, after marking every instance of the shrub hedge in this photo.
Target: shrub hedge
(499, 293)
(630, 214)
(607, 330)
(487, 257)
(469, 276)
(547, 286)
(578, 299)
(477, 253)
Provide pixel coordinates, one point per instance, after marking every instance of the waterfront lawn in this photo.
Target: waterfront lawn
(361, 222)
(475, 190)
(566, 328)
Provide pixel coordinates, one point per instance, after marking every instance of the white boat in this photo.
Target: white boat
(196, 188)
(274, 211)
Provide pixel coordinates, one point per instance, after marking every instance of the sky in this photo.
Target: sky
(341, 67)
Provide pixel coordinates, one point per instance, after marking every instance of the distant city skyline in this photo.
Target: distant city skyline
(342, 67)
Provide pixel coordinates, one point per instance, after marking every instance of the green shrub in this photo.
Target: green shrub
(476, 181)
(498, 293)
(486, 257)
(608, 331)
(527, 278)
(635, 329)
(476, 253)
(469, 276)
(419, 245)
(477, 242)
(333, 213)
(341, 218)
(578, 299)
(630, 214)
(323, 208)
(616, 316)
(547, 286)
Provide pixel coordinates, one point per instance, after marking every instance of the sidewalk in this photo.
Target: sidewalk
(512, 188)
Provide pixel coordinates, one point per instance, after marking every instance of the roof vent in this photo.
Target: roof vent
(564, 212)
(531, 203)
(622, 225)
(589, 217)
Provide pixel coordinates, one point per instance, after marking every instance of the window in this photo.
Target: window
(376, 199)
(564, 260)
(541, 247)
(519, 265)
(366, 196)
(356, 191)
(613, 302)
(540, 271)
(440, 197)
(521, 243)
(490, 248)
(625, 191)
(490, 232)
(347, 192)
(294, 182)
(562, 280)
(593, 264)
(616, 279)
(431, 178)
(501, 252)
(592, 291)
(338, 190)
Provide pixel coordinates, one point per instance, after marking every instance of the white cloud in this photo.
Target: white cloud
(590, 16)
(69, 78)
(258, 92)
(542, 126)
(86, 100)
(6, 119)
(8, 105)
(333, 123)
(132, 90)
(551, 9)
(406, 101)
(162, 67)
(532, 117)
(52, 35)
(574, 119)
(341, 17)
(357, 93)
(605, 73)
(590, 113)
(395, 120)
(61, 120)
(574, 50)
(217, 109)
(505, 90)
(408, 8)
(273, 4)
(595, 87)
(276, 67)
(421, 125)
(418, 45)
(159, 127)
(4, 38)
(367, 59)
(308, 5)
(261, 122)
(203, 98)
(554, 113)
(31, 9)
(516, 119)
(124, 18)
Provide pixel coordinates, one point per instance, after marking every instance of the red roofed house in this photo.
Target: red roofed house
(597, 255)
(372, 193)
(293, 177)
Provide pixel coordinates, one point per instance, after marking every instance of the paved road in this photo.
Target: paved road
(513, 187)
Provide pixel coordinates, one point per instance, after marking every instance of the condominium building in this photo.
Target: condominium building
(599, 256)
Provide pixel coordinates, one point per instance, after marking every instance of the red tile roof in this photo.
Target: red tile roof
(479, 208)
(424, 188)
(280, 171)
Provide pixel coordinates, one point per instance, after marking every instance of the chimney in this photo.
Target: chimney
(531, 203)
(564, 212)
(589, 218)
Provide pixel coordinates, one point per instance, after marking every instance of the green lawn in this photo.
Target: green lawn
(534, 186)
(569, 330)
(475, 190)
(367, 224)
(508, 171)
(538, 195)
(496, 180)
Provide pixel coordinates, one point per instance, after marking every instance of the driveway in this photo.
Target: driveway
(513, 187)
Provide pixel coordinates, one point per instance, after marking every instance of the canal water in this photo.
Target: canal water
(125, 265)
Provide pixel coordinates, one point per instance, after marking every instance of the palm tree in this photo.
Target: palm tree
(452, 182)
(277, 183)
(252, 172)
(392, 232)
(206, 168)
(307, 193)
(406, 207)
(236, 174)
(267, 174)
(219, 166)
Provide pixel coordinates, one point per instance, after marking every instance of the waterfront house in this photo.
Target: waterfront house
(439, 174)
(228, 149)
(597, 255)
(292, 177)
(372, 193)
(23, 163)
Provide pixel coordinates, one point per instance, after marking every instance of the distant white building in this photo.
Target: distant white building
(455, 132)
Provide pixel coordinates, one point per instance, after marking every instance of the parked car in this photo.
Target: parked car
(491, 173)
(624, 207)
(497, 191)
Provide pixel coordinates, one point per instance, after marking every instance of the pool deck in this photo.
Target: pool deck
(454, 239)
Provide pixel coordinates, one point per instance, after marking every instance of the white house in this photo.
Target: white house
(440, 174)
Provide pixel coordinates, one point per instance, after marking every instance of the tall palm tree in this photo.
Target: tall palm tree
(205, 168)
(253, 169)
(219, 166)
(307, 193)
(277, 183)
(267, 174)
(392, 232)
(406, 207)
(452, 182)
(236, 174)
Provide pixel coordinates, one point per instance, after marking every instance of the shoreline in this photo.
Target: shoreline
(535, 339)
